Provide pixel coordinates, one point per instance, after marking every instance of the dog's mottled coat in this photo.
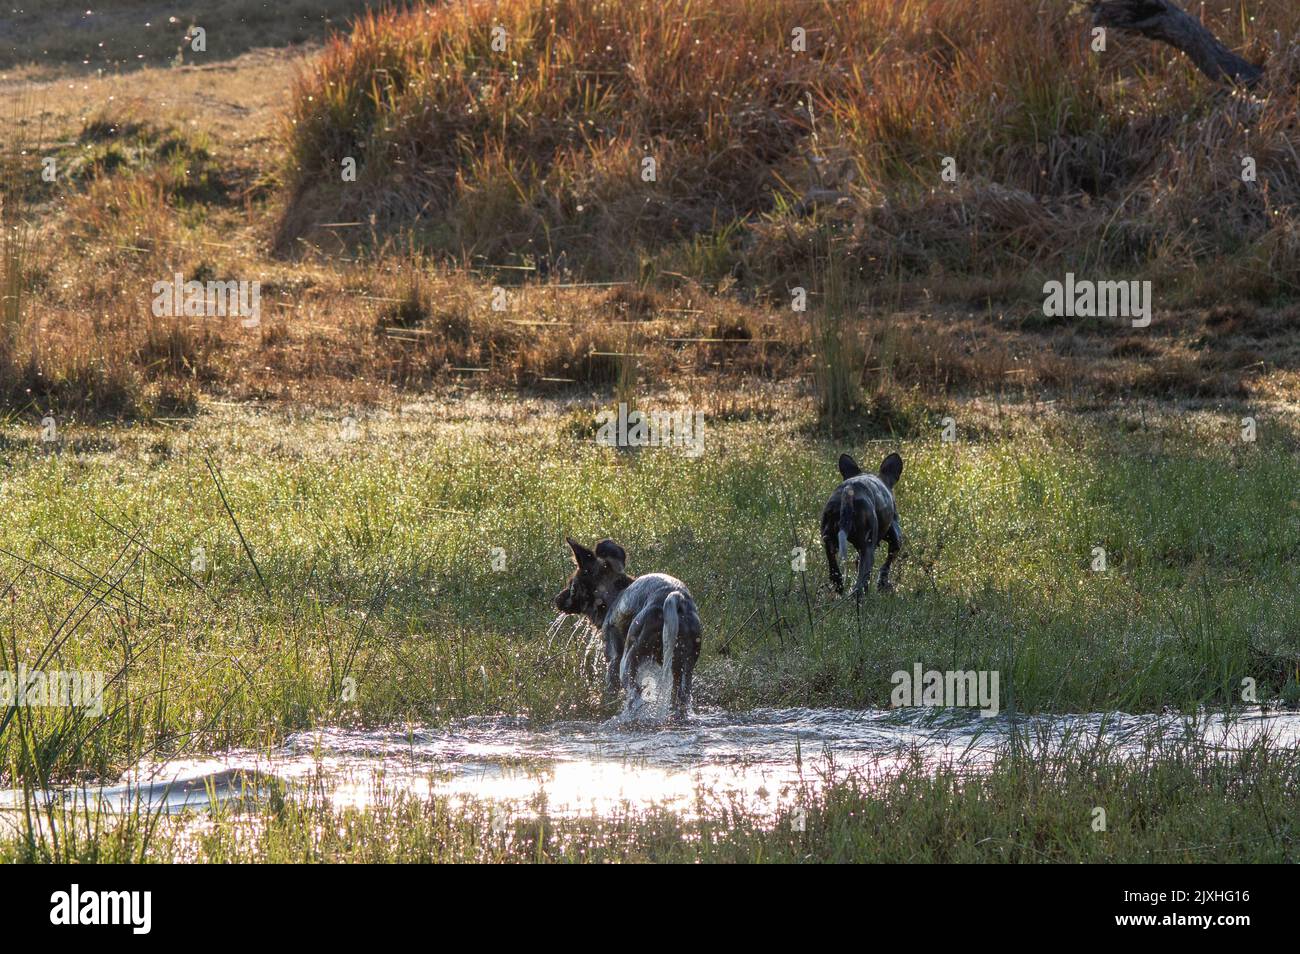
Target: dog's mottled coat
(862, 512)
(640, 618)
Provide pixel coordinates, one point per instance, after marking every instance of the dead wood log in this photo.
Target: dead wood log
(1165, 22)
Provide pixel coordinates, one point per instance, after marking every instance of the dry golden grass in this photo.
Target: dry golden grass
(1075, 165)
(1064, 157)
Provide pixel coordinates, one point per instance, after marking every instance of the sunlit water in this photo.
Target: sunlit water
(758, 760)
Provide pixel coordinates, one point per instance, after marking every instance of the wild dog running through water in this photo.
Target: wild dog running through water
(650, 617)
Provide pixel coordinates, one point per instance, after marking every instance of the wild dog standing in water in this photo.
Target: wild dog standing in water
(639, 618)
(862, 512)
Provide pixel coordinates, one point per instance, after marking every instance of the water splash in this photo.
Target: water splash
(554, 628)
(647, 707)
(762, 758)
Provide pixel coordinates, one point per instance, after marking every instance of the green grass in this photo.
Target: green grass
(372, 560)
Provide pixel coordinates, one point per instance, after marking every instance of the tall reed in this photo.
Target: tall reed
(838, 354)
(15, 239)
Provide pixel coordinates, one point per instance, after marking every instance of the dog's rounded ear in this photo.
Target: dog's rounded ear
(891, 468)
(849, 467)
(613, 554)
(581, 555)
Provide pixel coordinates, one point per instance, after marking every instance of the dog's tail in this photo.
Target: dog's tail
(846, 523)
(672, 614)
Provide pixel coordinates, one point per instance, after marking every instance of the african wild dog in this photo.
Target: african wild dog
(639, 618)
(862, 512)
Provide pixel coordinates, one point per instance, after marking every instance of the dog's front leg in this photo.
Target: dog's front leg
(832, 560)
(894, 539)
(613, 656)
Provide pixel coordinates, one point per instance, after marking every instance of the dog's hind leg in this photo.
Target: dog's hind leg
(642, 637)
(690, 653)
(867, 558)
(894, 538)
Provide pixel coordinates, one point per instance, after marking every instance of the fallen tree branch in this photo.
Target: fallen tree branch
(1165, 22)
